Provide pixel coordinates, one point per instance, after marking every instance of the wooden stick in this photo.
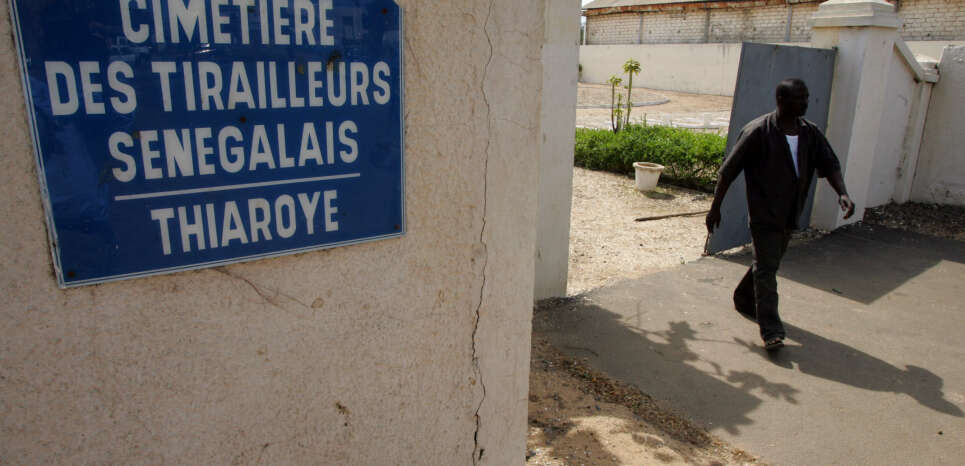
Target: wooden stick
(661, 217)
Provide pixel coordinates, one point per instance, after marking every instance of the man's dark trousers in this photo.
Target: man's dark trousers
(756, 296)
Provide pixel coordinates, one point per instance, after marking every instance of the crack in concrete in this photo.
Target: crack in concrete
(478, 451)
(270, 299)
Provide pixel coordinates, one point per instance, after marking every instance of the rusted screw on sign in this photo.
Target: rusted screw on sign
(334, 57)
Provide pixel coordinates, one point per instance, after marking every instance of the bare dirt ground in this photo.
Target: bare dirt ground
(927, 219)
(578, 416)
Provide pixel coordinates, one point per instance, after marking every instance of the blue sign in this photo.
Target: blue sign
(178, 134)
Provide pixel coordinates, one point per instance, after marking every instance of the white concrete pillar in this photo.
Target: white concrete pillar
(911, 146)
(940, 174)
(864, 33)
(558, 121)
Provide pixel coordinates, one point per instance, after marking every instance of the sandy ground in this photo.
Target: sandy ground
(578, 416)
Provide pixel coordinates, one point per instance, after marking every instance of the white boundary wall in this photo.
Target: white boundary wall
(940, 177)
(696, 68)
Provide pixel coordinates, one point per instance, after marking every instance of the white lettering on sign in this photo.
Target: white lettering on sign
(278, 20)
(60, 104)
(66, 92)
(188, 152)
(188, 18)
(209, 86)
(304, 81)
(258, 220)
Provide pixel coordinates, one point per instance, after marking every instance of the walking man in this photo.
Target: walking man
(778, 153)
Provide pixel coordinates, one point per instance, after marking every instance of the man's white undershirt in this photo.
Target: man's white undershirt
(792, 144)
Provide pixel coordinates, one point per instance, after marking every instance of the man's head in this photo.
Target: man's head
(792, 97)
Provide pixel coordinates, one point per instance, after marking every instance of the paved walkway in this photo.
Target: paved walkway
(872, 373)
(655, 107)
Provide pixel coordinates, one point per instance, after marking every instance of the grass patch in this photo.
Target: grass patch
(691, 159)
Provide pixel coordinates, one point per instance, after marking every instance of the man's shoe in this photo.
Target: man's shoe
(774, 344)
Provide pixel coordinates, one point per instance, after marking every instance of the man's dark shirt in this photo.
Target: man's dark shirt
(775, 194)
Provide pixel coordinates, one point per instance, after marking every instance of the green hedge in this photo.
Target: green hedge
(691, 159)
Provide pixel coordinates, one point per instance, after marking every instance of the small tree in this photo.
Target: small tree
(616, 110)
(618, 114)
(631, 67)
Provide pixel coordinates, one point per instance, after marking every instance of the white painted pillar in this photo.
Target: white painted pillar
(911, 146)
(926, 75)
(864, 33)
(558, 124)
(940, 172)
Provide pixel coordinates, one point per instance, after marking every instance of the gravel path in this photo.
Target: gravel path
(607, 245)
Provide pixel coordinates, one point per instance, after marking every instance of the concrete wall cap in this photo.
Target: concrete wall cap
(855, 13)
(927, 61)
(922, 73)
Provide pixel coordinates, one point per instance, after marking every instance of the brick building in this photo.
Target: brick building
(697, 21)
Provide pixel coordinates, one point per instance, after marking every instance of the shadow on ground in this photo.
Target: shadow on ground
(876, 247)
(821, 357)
(665, 357)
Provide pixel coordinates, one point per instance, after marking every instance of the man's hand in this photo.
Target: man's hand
(837, 183)
(713, 219)
(847, 206)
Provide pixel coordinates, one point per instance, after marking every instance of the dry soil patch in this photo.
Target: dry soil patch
(928, 219)
(578, 416)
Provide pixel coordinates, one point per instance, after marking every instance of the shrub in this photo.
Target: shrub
(691, 159)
